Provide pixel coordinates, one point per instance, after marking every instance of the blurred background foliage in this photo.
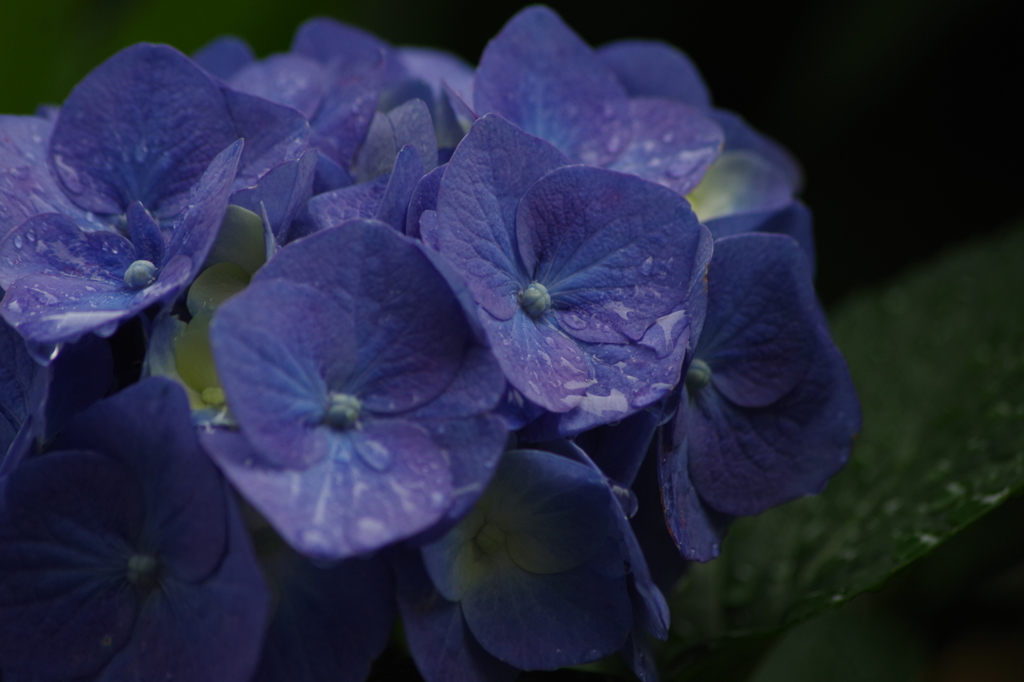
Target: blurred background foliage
(902, 114)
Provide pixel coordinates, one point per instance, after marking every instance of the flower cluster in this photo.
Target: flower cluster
(294, 346)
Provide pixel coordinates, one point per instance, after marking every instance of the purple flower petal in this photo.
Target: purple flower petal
(330, 622)
(346, 48)
(322, 329)
(672, 144)
(62, 283)
(141, 127)
(154, 416)
(615, 252)
(60, 552)
(544, 622)
(271, 344)
(619, 449)
(491, 170)
(52, 244)
(288, 79)
(342, 124)
(424, 198)
(437, 69)
(759, 336)
(740, 182)
(538, 74)
(394, 203)
(411, 339)
(439, 639)
(360, 201)
(774, 415)
(338, 508)
(747, 460)
(26, 185)
(17, 375)
(283, 192)
(196, 229)
(273, 134)
(408, 124)
(793, 220)
(224, 57)
(145, 234)
(650, 68)
(697, 530)
(740, 136)
(144, 488)
(538, 359)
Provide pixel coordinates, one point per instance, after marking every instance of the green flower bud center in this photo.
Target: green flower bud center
(343, 410)
(489, 539)
(142, 570)
(140, 274)
(535, 299)
(698, 375)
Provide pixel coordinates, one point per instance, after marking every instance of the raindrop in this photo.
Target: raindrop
(573, 321)
(679, 169)
(17, 241)
(375, 455)
(68, 174)
(314, 540)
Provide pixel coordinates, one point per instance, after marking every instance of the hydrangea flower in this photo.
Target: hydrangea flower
(129, 543)
(753, 185)
(363, 266)
(363, 398)
(768, 411)
(542, 571)
(144, 157)
(328, 622)
(587, 280)
(348, 83)
(540, 75)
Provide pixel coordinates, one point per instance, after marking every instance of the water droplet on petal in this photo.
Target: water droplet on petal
(314, 541)
(679, 169)
(17, 241)
(573, 321)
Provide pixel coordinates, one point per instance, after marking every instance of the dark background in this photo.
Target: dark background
(900, 110)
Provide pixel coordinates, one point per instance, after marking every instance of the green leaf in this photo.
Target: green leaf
(938, 360)
(852, 644)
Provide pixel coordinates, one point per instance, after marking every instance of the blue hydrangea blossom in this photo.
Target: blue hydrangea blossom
(363, 398)
(130, 543)
(146, 151)
(768, 411)
(587, 280)
(542, 571)
(541, 76)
